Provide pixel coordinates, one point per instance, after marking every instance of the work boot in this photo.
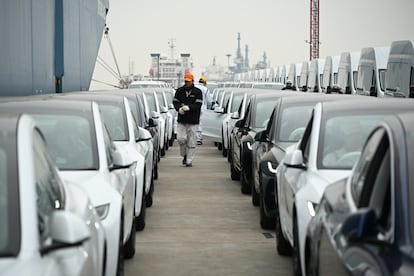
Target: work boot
(189, 165)
(185, 160)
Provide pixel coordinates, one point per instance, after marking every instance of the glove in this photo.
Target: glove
(185, 108)
(181, 111)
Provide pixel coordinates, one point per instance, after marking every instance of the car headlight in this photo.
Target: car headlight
(312, 207)
(271, 168)
(102, 211)
(249, 146)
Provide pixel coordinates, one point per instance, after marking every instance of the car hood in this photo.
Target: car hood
(95, 183)
(12, 267)
(317, 182)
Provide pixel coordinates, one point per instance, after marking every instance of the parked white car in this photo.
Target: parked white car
(122, 129)
(80, 145)
(49, 227)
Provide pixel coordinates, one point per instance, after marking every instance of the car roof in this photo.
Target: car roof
(380, 104)
(48, 103)
(94, 96)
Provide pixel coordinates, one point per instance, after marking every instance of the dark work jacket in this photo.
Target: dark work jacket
(194, 100)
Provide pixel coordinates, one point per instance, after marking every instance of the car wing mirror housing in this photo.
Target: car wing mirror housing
(155, 114)
(219, 109)
(360, 225)
(294, 159)
(66, 230)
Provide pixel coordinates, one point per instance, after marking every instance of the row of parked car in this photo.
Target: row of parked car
(373, 71)
(77, 174)
(328, 171)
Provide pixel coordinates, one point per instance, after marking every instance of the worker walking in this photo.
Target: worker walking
(187, 101)
(202, 85)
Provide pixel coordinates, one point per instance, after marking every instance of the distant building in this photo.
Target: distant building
(170, 69)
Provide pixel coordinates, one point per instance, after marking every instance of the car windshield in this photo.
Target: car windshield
(342, 138)
(292, 122)
(115, 121)
(70, 139)
(9, 197)
(263, 111)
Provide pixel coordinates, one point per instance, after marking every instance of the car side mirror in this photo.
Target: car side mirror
(144, 135)
(294, 159)
(235, 115)
(66, 230)
(219, 109)
(119, 161)
(155, 115)
(261, 136)
(359, 225)
(239, 123)
(152, 122)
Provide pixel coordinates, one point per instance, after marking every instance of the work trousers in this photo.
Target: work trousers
(200, 128)
(186, 137)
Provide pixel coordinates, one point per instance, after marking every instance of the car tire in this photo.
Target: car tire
(223, 149)
(255, 197)
(297, 270)
(283, 246)
(129, 247)
(148, 197)
(171, 142)
(220, 146)
(245, 188)
(265, 221)
(163, 151)
(120, 268)
(234, 174)
(140, 220)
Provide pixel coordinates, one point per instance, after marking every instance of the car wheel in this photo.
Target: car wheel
(140, 220)
(148, 198)
(223, 149)
(255, 197)
(234, 174)
(245, 185)
(120, 265)
(129, 247)
(219, 146)
(297, 270)
(167, 144)
(171, 142)
(283, 246)
(265, 221)
(163, 151)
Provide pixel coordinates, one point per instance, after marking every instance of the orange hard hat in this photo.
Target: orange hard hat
(188, 77)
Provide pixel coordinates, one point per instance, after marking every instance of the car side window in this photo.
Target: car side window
(50, 195)
(361, 180)
(109, 147)
(305, 142)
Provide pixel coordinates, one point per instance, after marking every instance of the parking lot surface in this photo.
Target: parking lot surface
(201, 224)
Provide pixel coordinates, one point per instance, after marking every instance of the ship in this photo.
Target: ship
(49, 46)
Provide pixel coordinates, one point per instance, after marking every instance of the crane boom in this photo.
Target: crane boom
(314, 29)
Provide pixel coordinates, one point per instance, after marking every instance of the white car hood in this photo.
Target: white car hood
(318, 182)
(13, 266)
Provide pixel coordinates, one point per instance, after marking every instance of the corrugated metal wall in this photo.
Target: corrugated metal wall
(27, 44)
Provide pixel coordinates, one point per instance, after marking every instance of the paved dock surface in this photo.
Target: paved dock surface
(201, 224)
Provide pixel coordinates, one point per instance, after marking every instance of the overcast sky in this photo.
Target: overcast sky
(209, 28)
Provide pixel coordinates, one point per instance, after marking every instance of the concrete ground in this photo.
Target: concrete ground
(201, 224)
